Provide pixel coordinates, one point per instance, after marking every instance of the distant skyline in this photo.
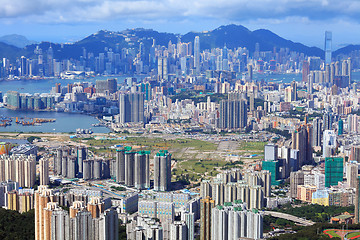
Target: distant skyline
(302, 21)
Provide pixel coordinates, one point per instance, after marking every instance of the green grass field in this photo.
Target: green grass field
(332, 233)
(256, 147)
(153, 143)
(197, 168)
(353, 234)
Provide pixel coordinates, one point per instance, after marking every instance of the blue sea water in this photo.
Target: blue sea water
(65, 122)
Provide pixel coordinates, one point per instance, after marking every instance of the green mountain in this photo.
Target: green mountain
(231, 36)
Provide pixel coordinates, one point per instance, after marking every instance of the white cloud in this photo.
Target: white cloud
(146, 10)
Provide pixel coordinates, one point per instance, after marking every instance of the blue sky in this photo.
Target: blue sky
(70, 20)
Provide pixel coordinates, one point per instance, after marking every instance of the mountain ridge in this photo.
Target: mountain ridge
(231, 36)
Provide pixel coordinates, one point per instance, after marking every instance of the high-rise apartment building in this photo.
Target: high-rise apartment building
(351, 174)
(44, 171)
(92, 222)
(317, 132)
(233, 221)
(162, 171)
(131, 107)
(18, 168)
(132, 168)
(206, 206)
(233, 112)
(296, 179)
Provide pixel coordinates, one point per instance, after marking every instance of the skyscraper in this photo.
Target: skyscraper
(197, 54)
(162, 171)
(233, 112)
(334, 168)
(317, 132)
(328, 47)
(44, 171)
(142, 170)
(131, 107)
(206, 206)
(301, 140)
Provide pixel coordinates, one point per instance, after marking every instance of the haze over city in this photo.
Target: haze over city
(68, 21)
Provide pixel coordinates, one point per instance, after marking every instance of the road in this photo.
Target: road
(289, 217)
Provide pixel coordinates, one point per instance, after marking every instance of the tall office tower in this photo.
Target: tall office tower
(271, 152)
(24, 66)
(305, 71)
(42, 197)
(317, 132)
(334, 168)
(106, 86)
(142, 170)
(206, 206)
(357, 201)
(81, 156)
(129, 168)
(351, 174)
(131, 107)
(328, 47)
(162, 171)
(302, 141)
(197, 54)
(44, 171)
(120, 166)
